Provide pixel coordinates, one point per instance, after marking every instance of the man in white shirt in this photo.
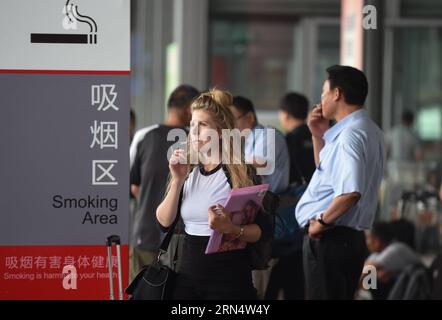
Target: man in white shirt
(342, 195)
(259, 143)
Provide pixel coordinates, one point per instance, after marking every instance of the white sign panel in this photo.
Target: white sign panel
(65, 35)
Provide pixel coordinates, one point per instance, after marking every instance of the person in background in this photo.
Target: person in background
(287, 276)
(404, 152)
(388, 256)
(440, 192)
(292, 116)
(402, 143)
(132, 200)
(148, 175)
(132, 125)
(255, 148)
(256, 152)
(341, 198)
(404, 231)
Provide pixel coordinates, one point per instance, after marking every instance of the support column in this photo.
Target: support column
(191, 22)
(373, 60)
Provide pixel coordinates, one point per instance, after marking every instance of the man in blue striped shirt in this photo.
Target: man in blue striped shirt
(340, 201)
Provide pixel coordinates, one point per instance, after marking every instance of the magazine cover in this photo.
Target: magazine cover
(243, 205)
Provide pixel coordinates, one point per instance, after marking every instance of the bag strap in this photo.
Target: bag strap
(227, 173)
(165, 243)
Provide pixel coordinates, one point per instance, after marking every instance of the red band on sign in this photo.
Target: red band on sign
(98, 72)
(36, 272)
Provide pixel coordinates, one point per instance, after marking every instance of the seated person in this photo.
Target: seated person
(388, 256)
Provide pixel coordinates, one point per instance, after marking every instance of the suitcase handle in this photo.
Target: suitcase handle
(113, 239)
(109, 241)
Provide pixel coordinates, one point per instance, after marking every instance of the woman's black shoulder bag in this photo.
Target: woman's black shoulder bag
(156, 281)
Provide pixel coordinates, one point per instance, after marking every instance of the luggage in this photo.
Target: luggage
(288, 234)
(421, 209)
(111, 240)
(436, 275)
(413, 283)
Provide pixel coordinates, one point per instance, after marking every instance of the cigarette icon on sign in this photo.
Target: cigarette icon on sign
(72, 18)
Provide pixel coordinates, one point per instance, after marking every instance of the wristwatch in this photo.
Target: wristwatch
(321, 221)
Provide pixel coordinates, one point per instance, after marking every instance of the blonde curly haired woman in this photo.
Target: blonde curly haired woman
(224, 275)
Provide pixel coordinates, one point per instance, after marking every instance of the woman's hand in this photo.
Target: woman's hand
(219, 219)
(178, 165)
(167, 210)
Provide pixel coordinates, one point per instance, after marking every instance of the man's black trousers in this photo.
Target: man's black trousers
(333, 264)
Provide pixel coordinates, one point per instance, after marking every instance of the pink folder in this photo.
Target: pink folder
(243, 204)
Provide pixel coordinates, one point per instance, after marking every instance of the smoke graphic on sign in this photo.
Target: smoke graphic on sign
(70, 21)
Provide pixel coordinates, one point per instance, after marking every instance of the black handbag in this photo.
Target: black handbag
(156, 281)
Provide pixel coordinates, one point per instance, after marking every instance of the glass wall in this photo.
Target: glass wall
(327, 55)
(416, 86)
(417, 79)
(263, 59)
(252, 58)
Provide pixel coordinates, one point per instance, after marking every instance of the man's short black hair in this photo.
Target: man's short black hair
(132, 116)
(404, 231)
(408, 117)
(351, 81)
(243, 104)
(182, 97)
(383, 231)
(295, 104)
